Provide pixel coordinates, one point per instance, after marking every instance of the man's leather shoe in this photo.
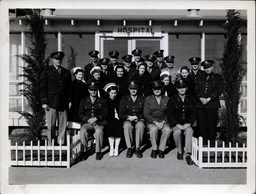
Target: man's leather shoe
(99, 155)
(179, 156)
(129, 153)
(160, 154)
(153, 154)
(189, 160)
(138, 153)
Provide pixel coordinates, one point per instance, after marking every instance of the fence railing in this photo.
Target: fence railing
(29, 154)
(218, 156)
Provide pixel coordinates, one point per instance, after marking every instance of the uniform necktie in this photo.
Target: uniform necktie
(59, 70)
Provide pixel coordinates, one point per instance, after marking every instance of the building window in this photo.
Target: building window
(183, 47)
(82, 45)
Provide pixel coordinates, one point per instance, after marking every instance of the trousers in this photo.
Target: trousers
(154, 133)
(98, 134)
(53, 115)
(128, 133)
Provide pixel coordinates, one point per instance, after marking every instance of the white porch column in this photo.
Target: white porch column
(59, 41)
(164, 43)
(203, 46)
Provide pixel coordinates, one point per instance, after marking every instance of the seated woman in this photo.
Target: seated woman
(114, 128)
(168, 89)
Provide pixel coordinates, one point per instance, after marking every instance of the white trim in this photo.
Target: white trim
(59, 41)
(164, 43)
(203, 46)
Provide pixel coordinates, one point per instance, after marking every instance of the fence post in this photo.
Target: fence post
(31, 152)
(24, 151)
(200, 153)
(68, 150)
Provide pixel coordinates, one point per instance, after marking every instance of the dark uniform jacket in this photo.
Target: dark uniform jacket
(144, 86)
(170, 90)
(87, 69)
(129, 108)
(98, 109)
(155, 73)
(163, 65)
(194, 76)
(153, 111)
(55, 87)
(179, 112)
(213, 88)
(121, 82)
(79, 91)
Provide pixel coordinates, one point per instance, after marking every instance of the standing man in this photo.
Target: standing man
(93, 111)
(94, 57)
(113, 59)
(208, 89)
(153, 71)
(169, 61)
(155, 108)
(129, 70)
(131, 112)
(181, 114)
(55, 84)
(159, 59)
(195, 71)
(137, 58)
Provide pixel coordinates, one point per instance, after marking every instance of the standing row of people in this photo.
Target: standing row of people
(171, 103)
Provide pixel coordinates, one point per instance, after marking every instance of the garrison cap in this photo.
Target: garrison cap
(159, 53)
(57, 55)
(104, 61)
(181, 84)
(194, 60)
(127, 58)
(150, 58)
(92, 86)
(133, 84)
(94, 53)
(157, 84)
(136, 52)
(169, 59)
(207, 63)
(113, 54)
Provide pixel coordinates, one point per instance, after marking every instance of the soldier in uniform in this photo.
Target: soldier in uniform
(113, 59)
(131, 112)
(153, 71)
(195, 71)
(55, 82)
(208, 88)
(107, 72)
(129, 70)
(93, 112)
(159, 62)
(137, 58)
(87, 68)
(181, 114)
(169, 61)
(155, 108)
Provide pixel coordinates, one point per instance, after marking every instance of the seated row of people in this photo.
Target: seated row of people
(133, 113)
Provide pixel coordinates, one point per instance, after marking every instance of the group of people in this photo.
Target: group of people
(131, 99)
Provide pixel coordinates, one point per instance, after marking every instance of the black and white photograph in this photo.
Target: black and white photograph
(127, 96)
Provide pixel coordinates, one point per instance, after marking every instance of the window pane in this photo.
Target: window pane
(81, 45)
(183, 47)
(52, 44)
(120, 45)
(148, 47)
(14, 104)
(14, 89)
(214, 49)
(15, 62)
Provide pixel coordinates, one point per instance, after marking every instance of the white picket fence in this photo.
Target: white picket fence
(206, 156)
(46, 155)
